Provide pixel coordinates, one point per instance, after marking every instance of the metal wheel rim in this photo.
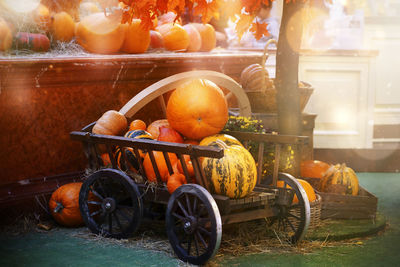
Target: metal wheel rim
(299, 212)
(115, 214)
(193, 243)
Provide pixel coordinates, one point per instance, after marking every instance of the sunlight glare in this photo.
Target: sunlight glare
(20, 6)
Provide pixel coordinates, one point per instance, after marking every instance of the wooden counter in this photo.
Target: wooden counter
(43, 99)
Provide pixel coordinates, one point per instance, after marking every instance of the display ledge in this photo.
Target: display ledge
(46, 70)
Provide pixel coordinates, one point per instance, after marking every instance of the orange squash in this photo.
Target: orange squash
(100, 34)
(111, 123)
(137, 38)
(175, 37)
(64, 205)
(194, 38)
(174, 181)
(62, 27)
(197, 109)
(161, 165)
(208, 37)
(313, 168)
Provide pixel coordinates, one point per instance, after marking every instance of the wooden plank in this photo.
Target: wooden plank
(247, 215)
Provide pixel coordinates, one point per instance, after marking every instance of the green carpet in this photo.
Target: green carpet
(61, 247)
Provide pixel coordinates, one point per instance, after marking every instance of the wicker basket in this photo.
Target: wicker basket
(265, 102)
(315, 213)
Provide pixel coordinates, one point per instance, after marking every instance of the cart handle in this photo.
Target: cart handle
(167, 84)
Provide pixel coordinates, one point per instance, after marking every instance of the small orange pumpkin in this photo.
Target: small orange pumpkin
(189, 112)
(137, 125)
(62, 27)
(306, 186)
(175, 37)
(64, 205)
(208, 37)
(137, 38)
(194, 38)
(174, 181)
(189, 165)
(111, 123)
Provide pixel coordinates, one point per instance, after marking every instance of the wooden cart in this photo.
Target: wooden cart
(114, 200)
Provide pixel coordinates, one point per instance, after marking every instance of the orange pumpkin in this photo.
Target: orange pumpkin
(106, 159)
(174, 181)
(154, 127)
(167, 134)
(64, 205)
(197, 109)
(161, 165)
(208, 37)
(306, 186)
(137, 38)
(137, 125)
(62, 27)
(111, 123)
(6, 37)
(41, 15)
(175, 37)
(189, 165)
(194, 38)
(313, 168)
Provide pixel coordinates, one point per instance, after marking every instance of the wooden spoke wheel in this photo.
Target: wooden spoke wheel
(193, 224)
(110, 204)
(292, 218)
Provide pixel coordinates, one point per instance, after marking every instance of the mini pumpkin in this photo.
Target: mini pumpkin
(340, 179)
(255, 78)
(64, 205)
(313, 168)
(137, 125)
(306, 186)
(174, 181)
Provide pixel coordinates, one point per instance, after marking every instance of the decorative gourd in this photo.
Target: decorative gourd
(6, 37)
(137, 38)
(62, 27)
(234, 175)
(132, 162)
(100, 34)
(208, 37)
(226, 138)
(174, 181)
(340, 179)
(138, 134)
(175, 37)
(313, 168)
(255, 78)
(167, 134)
(306, 186)
(111, 123)
(197, 108)
(194, 38)
(154, 127)
(64, 205)
(137, 125)
(161, 165)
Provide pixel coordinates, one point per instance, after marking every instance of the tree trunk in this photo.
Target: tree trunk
(287, 68)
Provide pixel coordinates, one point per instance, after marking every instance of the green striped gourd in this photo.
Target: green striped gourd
(340, 179)
(234, 175)
(226, 138)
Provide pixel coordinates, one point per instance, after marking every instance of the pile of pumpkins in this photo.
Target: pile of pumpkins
(189, 119)
(99, 33)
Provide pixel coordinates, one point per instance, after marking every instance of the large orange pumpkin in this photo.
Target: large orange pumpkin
(313, 168)
(197, 109)
(64, 205)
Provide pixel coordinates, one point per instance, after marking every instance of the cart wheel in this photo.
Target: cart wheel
(193, 224)
(292, 221)
(110, 204)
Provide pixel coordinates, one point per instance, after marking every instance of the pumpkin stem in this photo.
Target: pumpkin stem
(222, 144)
(59, 207)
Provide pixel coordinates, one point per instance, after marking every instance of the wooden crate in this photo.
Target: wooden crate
(335, 206)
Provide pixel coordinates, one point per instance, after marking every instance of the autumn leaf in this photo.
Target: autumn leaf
(259, 30)
(243, 23)
(207, 10)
